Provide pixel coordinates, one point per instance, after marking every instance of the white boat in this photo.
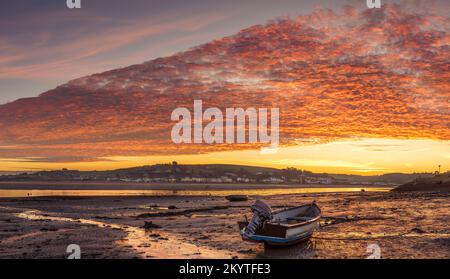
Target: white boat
(286, 227)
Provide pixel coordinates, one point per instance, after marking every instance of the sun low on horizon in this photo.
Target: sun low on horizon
(359, 91)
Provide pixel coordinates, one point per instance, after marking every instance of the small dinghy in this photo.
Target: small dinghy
(280, 228)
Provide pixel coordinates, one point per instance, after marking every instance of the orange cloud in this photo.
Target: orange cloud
(374, 73)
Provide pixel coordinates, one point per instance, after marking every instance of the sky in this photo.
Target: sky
(361, 157)
(45, 44)
(401, 125)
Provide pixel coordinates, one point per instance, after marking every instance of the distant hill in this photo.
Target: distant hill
(4, 173)
(215, 173)
(207, 168)
(437, 183)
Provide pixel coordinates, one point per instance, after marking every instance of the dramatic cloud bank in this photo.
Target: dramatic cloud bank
(374, 73)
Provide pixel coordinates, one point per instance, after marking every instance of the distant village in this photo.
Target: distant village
(223, 174)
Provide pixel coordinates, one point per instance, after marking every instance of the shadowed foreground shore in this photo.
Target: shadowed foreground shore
(403, 225)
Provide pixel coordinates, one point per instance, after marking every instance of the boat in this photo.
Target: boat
(237, 198)
(284, 228)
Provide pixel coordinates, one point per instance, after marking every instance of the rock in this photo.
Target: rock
(150, 225)
(172, 207)
(249, 251)
(237, 198)
(419, 231)
(49, 230)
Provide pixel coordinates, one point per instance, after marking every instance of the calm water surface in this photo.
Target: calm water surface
(17, 193)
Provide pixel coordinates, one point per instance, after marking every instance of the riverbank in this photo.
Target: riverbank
(119, 189)
(438, 183)
(402, 225)
(117, 185)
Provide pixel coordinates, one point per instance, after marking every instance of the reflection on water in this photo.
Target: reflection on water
(134, 193)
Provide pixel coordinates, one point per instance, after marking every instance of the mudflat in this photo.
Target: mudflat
(402, 225)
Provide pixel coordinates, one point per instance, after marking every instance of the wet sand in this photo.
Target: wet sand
(403, 225)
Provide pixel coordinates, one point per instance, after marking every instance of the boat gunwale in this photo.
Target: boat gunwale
(279, 240)
(288, 226)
